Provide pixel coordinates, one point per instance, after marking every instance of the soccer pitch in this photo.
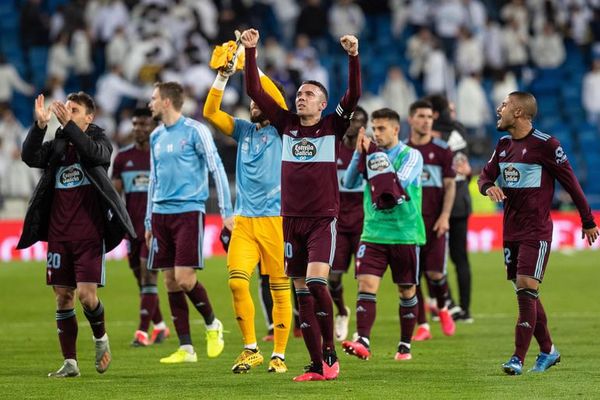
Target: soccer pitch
(466, 366)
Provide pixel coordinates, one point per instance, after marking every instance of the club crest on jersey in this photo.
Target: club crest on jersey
(304, 150)
(560, 155)
(425, 175)
(511, 174)
(71, 176)
(379, 162)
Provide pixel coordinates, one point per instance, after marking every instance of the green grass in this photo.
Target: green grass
(464, 366)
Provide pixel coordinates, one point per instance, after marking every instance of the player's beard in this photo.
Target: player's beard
(258, 119)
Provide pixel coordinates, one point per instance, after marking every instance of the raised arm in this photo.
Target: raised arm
(274, 112)
(34, 153)
(212, 106)
(350, 98)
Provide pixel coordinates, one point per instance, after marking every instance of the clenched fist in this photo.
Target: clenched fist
(350, 44)
(250, 38)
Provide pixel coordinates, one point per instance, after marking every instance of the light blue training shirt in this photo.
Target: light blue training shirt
(258, 170)
(181, 155)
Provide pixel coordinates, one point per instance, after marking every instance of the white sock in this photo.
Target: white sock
(250, 346)
(366, 340)
(102, 339)
(188, 348)
(215, 325)
(425, 326)
(71, 361)
(404, 344)
(161, 325)
(280, 355)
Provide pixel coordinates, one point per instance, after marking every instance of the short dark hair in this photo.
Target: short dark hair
(319, 85)
(142, 112)
(172, 91)
(419, 104)
(363, 112)
(386, 113)
(83, 99)
(527, 102)
(438, 102)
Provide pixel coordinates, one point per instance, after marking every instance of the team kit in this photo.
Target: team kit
(315, 194)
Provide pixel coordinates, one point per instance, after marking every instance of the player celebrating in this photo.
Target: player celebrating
(525, 164)
(349, 224)
(438, 198)
(131, 174)
(393, 228)
(257, 237)
(309, 196)
(182, 152)
(76, 209)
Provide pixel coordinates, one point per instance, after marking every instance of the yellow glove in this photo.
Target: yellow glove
(228, 58)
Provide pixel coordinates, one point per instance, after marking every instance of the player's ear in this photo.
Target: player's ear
(323, 106)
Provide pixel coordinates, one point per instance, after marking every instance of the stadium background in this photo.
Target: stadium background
(172, 39)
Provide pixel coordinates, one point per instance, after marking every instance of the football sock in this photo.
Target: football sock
(66, 324)
(323, 309)
(180, 315)
(266, 298)
(408, 318)
(243, 306)
(309, 325)
(439, 290)
(282, 313)
(148, 304)
(527, 299)
(541, 333)
(337, 294)
(157, 318)
(96, 320)
(421, 314)
(199, 299)
(366, 310)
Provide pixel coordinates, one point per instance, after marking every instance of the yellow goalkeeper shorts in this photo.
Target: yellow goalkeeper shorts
(257, 240)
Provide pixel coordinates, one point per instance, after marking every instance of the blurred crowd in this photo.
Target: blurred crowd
(473, 51)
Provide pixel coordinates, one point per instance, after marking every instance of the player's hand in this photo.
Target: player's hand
(495, 193)
(461, 165)
(42, 114)
(249, 38)
(366, 143)
(359, 139)
(231, 66)
(591, 234)
(350, 44)
(62, 112)
(228, 223)
(442, 225)
(148, 238)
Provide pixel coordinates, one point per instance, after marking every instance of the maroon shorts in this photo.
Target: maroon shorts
(346, 245)
(403, 259)
(69, 263)
(308, 240)
(136, 250)
(177, 240)
(528, 258)
(433, 253)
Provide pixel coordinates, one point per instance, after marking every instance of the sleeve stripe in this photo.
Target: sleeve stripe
(404, 173)
(210, 150)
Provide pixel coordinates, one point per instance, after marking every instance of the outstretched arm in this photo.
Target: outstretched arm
(274, 112)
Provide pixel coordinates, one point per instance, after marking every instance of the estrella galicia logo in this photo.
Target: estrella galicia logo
(141, 181)
(425, 176)
(560, 155)
(378, 162)
(304, 150)
(511, 174)
(71, 176)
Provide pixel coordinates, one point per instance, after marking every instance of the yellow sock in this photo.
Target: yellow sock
(282, 312)
(243, 306)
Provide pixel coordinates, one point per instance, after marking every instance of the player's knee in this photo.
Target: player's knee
(407, 291)
(64, 298)
(527, 292)
(238, 285)
(434, 276)
(88, 299)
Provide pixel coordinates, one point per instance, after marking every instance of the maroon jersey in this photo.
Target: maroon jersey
(525, 169)
(350, 219)
(437, 165)
(132, 167)
(76, 213)
(309, 185)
